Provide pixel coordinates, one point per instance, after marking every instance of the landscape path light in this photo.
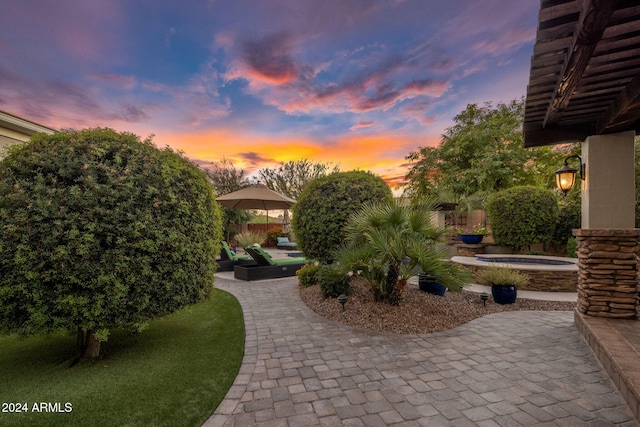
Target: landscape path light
(342, 299)
(484, 297)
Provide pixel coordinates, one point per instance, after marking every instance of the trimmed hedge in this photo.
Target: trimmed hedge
(522, 216)
(325, 205)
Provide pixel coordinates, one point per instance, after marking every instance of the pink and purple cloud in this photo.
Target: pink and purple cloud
(360, 83)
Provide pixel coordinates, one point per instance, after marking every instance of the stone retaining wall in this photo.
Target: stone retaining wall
(608, 272)
(548, 281)
(464, 249)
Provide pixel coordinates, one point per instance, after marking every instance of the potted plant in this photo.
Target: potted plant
(427, 283)
(504, 283)
(472, 236)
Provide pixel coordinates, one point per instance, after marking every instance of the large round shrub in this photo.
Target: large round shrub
(325, 205)
(101, 230)
(522, 216)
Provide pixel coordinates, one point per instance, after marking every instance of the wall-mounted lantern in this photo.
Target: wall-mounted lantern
(566, 175)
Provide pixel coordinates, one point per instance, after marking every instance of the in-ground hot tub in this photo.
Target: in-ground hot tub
(546, 273)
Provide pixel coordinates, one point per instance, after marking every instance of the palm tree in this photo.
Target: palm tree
(387, 243)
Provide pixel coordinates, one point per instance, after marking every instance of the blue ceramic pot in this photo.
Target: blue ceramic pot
(471, 239)
(504, 294)
(427, 283)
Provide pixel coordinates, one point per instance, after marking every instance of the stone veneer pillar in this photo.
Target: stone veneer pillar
(608, 272)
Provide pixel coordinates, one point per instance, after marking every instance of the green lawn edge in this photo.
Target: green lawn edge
(175, 373)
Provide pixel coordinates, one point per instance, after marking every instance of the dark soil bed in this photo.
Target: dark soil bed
(419, 312)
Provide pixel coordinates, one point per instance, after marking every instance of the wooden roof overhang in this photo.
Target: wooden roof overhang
(585, 71)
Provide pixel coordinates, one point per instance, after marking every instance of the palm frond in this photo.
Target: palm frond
(390, 243)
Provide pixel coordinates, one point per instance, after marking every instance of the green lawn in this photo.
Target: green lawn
(175, 373)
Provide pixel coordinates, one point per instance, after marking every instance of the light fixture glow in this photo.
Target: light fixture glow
(566, 175)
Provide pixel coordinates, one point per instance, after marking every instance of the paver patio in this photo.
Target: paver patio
(506, 369)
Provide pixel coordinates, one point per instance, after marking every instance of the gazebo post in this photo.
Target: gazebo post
(608, 242)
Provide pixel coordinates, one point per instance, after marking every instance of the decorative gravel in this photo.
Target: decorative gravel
(418, 313)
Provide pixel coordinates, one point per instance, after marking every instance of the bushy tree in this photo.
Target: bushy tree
(100, 230)
(483, 152)
(523, 216)
(387, 243)
(291, 177)
(226, 178)
(324, 207)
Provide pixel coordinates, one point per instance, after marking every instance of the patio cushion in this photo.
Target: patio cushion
(284, 243)
(226, 254)
(263, 258)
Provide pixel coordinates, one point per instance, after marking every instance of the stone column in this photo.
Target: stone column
(608, 243)
(608, 272)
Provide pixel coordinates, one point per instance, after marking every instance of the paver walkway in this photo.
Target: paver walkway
(505, 369)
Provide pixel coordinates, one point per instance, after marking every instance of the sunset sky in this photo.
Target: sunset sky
(360, 83)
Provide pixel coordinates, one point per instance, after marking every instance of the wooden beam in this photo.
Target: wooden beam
(619, 107)
(559, 10)
(535, 137)
(592, 22)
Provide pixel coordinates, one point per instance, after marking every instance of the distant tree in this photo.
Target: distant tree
(483, 152)
(424, 177)
(101, 230)
(291, 177)
(324, 207)
(226, 178)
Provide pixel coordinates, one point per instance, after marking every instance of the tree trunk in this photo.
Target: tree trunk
(392, 279)
(398, 290)
(92, 346)
(80, 344)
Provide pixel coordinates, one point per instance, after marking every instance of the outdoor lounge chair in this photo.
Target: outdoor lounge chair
(266, 267)
(284, 243)
(228, 258)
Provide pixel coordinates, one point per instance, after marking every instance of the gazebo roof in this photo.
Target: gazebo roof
(585, 71)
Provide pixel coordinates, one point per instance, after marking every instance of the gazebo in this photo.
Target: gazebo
(584, 85)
